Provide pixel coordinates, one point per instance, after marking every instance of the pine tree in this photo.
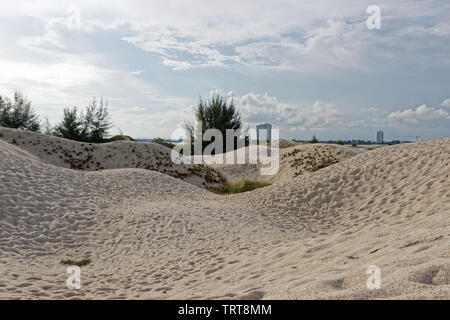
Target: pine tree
(47, 127)
(18, 114)
(97, 121)
(4, 111)
(218, 114)
(215, 113)
(71, 127)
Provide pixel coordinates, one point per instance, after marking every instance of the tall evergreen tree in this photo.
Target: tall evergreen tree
(4, 111)
(47, 127)
(97, 121)
(71, 127)
(215, 113)
(18, 114)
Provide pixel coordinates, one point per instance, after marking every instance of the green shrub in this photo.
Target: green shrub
(80, 263)
(373, 148)
(161, 142)
(320, 166)
(238, 187)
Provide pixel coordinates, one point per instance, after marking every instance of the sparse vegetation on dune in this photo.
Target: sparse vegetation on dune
(239, 187)
(79, 263)
(373, 148)
(163, 143)
(114, 155)
(320, 166)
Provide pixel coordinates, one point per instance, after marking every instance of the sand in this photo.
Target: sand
(294, 159)
(115, 155)
(151, 235)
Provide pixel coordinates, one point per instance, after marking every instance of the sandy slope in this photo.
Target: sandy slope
(294, 160)
(150, 235)
(120, 154)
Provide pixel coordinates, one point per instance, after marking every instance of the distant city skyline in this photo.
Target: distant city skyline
(306, 68)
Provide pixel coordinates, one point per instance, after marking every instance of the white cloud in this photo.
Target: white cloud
(446, 103)
(132, 109)
(58, 60)
(257, 108)
(421, 113)
(374, 110)
(303, 36)
(51, 74)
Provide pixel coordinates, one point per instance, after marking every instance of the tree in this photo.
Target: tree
(215, 113)
(218, 114)
(4, 111)
(47, 127)
(314, 139)
(97, 121)
(18, 114)
(72, 126)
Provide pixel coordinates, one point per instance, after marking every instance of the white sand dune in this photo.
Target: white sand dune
(294, 160)
(114, 155)
(152, 236)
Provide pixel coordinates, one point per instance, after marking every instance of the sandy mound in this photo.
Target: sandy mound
(150, 235)
(114, 155)
(295, 160)
(282, 143)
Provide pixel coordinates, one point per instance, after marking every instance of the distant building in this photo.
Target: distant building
(380, 137)
(264, 126)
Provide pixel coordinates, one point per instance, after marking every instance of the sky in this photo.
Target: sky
(307, 67)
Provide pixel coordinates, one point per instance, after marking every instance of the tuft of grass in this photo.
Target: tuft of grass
(238, 187)
(320, 166)
(79, 263)
(373, 148)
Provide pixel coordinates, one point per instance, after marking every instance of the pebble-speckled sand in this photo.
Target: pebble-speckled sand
(153, 236)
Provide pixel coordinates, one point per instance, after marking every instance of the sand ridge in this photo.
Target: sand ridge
(114, 155)
(294, 159)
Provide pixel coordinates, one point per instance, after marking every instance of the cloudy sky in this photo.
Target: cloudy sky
(308, 67)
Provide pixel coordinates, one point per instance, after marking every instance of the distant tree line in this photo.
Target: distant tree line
(91, 126)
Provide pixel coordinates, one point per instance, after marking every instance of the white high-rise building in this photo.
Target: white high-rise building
(380, 137)
(264, 126)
